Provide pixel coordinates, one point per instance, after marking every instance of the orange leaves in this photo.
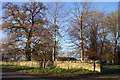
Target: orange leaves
(15, 45)
(42, 38)
(31, 39)
(4, 46)
(25, 33)
(23, 16)
(14, 7)
(25, 24)
(6, 24)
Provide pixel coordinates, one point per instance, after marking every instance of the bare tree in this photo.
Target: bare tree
(95, 32)
(79, 16)
(55, 16)
(113, 24)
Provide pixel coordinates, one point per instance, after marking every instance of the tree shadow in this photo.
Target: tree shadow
(111, 69)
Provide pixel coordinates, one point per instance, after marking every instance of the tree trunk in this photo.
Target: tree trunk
(28, 52)
(54, 47)
(101, 53)
(28, 48)
(81, 38)
(115, 48)
(28, 56)
(81, 47)
(54, 34)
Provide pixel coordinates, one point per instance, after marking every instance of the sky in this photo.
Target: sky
(60, 0)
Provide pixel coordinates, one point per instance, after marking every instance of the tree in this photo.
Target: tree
(96, 33)
(25, 24)
(55, 15)
(79, 16)
(113, 25)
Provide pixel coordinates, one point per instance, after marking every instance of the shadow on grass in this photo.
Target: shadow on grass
(111, 69)
(10, 68)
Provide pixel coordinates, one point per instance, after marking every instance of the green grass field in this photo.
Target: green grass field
(49, 71)
(61, 72)
(111, 68)
(58, 71)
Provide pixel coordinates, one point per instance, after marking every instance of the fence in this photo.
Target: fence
(57, 64)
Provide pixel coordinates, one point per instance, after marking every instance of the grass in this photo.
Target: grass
(49, 71)
(111, 68)
(15, 67)
(58, 71)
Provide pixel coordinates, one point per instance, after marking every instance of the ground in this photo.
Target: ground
(8, 74)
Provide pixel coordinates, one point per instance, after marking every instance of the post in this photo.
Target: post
(94, 64)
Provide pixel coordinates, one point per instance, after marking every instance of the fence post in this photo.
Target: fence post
(94, 64)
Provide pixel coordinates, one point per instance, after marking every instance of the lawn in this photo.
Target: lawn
(49, 71)
(59, 71)
(15, 68)
(111, 68)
